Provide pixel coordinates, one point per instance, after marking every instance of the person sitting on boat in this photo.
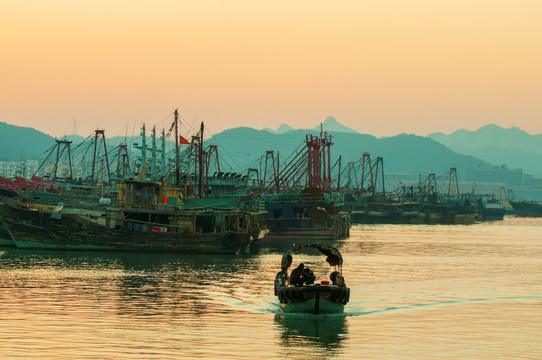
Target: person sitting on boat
(301, 275)
(336, 278)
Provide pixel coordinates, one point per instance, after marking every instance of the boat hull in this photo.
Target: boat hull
(493, 213)
(313, 299)
(527, 208)
(293, 220)
(337, 227)
(303, 234)
(5, 238)
(311, 306)
(38, 229)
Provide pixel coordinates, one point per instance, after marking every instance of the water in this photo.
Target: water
(418, 292)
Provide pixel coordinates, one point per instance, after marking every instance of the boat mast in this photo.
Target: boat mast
(102, 173)
(176, 146)
(97, 134)
(163, 155)
(66, 145)
(143, 147)
(153, 152)
(200, 185)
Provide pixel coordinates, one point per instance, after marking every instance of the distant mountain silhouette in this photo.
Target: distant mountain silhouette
(283, 128)
(244, 147)
(18, 143)
(512, 148)
(330, 125)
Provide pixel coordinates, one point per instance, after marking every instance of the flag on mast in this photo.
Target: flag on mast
(183, 141)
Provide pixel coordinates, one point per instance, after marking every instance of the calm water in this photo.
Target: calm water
(447, 292)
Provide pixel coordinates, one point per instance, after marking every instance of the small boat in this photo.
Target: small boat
(301, 292)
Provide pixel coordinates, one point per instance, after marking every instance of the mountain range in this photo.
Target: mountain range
(330, 125)
(243, 147)
(508, 148)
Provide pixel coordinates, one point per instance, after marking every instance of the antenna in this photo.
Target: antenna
(74, 133)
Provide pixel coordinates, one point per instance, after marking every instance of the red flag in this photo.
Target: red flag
(183, 141)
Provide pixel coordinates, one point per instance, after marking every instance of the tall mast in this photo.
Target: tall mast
(201, 162)
(177, 146)
(143, 147)
(163, 157)
(97, 134)
(153, 152)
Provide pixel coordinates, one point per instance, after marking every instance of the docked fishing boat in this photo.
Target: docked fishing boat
(290, 216)
(489, 208)
(527, 208)
(302, 292)
(300, 197)
(142, 221)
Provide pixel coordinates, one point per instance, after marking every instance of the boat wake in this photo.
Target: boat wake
(356, 308)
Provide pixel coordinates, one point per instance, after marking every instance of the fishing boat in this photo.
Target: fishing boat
(527, 208)
(291, 216)
(300, 197)
(142, 221)
(303, 292)
(489, 208)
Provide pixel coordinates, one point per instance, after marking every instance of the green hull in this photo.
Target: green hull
(309, 307)
(37, 245)
(6, 242)
(5, 237)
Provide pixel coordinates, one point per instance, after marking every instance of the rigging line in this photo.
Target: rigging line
(223, 150)
(133, 132)
(192, 126)
(164, 119)
(46, 151)
(82, 142)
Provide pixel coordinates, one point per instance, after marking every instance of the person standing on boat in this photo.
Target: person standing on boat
(333, 260)
(285, 272)
(301, 275)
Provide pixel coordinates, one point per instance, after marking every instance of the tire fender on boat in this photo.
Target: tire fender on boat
(287, 295)
(339, 295)
(347, 296)
(231, 241)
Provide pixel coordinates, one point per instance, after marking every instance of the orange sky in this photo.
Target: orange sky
(381, 67)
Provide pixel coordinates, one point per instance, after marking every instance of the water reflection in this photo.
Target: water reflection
(280, 246)
(129, 284)
(323, 331)
(21, 258)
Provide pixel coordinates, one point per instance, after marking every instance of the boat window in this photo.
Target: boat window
(299, 212)
(205, 224)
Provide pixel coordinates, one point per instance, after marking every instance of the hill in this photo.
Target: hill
(17, 143)
(330, 125)
(243, 148)
(510, 148)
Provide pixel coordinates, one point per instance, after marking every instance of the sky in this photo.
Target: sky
(380, 67)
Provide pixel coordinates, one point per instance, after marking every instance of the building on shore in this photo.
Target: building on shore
(24, 168)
